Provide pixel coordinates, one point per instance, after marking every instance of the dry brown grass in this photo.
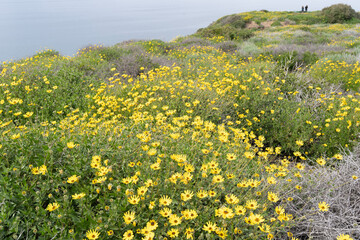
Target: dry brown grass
(334, 185)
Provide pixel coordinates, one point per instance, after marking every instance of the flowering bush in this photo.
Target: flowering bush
(208, 147)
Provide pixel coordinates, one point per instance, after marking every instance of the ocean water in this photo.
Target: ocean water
(27, 26)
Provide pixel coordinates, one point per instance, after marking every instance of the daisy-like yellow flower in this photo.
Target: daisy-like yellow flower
(300, 166)
(253, 183)
(43, 169)
(271, 180)
(142, 190)
(338, 156)
(96, 159)
(152, 225)
(254, 219)
(175, 136)
(134, 199)
(152, 152)
(129, 217)
(73, 179)
(187, 195)
(155, 166)
(240, 210)
(231, 156)
(297, 154)
(265, 228)
(202, 194)
(218, 179)
(165, 212)
(149, 236)
(321, 161)
(173, 233)
(174, 220)
(210, 227)
(249, 155)
(212, 164)
(189, 233)
(189, 168)
(145, 231)
(224, 212)
(92, 234)
(165, 200)
(231, 199)
(221, 232)
(299, 143)
(251, 204)
(126, 180)
(273, 197)
(52, 206)
(28, 114)
(212, 193)
(35, 171)
(189, 214)
(205, 151)
(78, 196)
(70, 145)
(344, 237)
(323, 206)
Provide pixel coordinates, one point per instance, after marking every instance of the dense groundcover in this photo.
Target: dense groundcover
(203, 137)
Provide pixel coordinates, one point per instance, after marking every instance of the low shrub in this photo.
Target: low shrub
(288, 60)
(276, 23)
(337, 72)
(234, 20)
(309, 58)
(228, 32)
(307, 18)
(227, 46)
(339, 13)
(319, 49)
(193, 41)
(248, 49)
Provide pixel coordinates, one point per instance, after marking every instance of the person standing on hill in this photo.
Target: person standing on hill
(306, 8)
(302, 9)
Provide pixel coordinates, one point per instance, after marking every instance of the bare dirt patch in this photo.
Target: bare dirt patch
(252, 25)
(267, 24)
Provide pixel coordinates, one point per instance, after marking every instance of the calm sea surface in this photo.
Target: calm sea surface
(27, 26)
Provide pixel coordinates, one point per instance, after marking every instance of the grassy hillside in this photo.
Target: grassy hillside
(230, 133)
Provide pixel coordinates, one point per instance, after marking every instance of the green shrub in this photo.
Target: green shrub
(227, 46)
(248, 49)
(228, 32)
(339, 13)
(309, 58)
(307, 18)
(287, 60)
(338, 72)
(233, 20)
(276, 24)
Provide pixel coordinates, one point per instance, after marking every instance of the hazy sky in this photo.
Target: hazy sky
(67, 25)
(242, 6)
